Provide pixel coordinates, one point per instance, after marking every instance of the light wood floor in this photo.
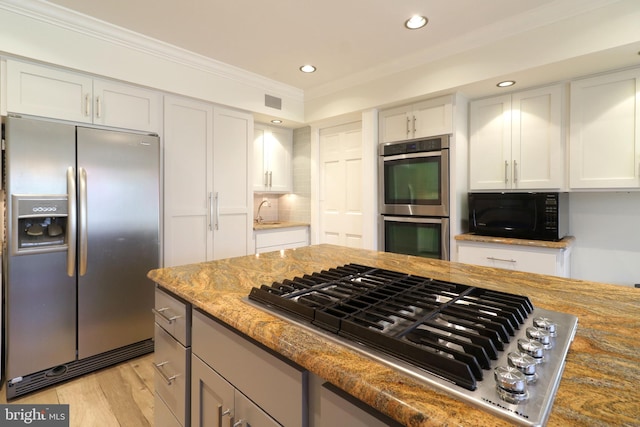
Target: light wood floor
(121, 395)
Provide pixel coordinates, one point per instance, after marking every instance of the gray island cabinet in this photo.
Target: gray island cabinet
(247, 367)
(235, 381)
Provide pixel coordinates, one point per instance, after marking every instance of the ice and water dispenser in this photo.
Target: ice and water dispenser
(39, 223)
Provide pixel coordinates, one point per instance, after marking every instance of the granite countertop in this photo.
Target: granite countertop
(273, 225)
(563, 243)
(598, 387)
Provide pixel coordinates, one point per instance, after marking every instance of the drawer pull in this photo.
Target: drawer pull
(222, 414)
(500, 259)
(159, 369)
(160, 312)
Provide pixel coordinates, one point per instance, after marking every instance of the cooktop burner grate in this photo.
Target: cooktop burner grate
(451, 330)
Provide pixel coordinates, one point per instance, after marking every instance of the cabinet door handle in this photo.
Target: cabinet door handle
(238, 423)
(159, 369)
(210, 211)
(270, 179)
(160, 312)
(87, 105)
(414, 126)
(217, 222)
(515, 172)
(266, 178)
(490, 258)
(506, 172)
(98, 107)
(408, 120)
(222, 413)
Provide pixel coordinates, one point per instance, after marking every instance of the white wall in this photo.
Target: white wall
(606, 226)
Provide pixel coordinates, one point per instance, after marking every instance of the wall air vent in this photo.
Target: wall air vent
(273, 102)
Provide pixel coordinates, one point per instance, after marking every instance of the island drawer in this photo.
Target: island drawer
(173, 315)
(252, 370)
(172, 379)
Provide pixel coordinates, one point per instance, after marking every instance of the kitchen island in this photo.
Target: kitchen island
(597, 387)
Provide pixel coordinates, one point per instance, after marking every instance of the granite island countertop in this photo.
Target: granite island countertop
(602, 371)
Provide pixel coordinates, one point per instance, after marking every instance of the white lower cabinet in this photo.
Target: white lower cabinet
(277, 239)
(541, 260)
(235, 379)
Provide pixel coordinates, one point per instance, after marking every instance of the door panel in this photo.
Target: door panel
(341, 204)
(114, 296)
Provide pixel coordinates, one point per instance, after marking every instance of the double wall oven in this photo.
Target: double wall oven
(413, 183)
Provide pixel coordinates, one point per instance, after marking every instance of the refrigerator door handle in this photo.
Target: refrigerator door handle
(71, 222)
(82, 223)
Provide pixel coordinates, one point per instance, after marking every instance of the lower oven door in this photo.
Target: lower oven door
(420, 236)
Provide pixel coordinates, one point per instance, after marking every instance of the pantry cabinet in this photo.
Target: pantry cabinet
(60, 94)
(236, 382)
(516, 141)
(207, 193)
(423, 119)
(604, 143)
(272, 159)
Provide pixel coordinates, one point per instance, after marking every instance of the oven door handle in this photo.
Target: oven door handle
(412, 155)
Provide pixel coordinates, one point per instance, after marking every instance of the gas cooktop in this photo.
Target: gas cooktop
(489, 348)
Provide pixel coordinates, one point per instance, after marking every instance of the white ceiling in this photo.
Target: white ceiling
(342, 38)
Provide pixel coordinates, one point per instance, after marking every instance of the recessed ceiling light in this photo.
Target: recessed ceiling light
(276, 122)
(415, 22)
(307, 68)
(506, 83)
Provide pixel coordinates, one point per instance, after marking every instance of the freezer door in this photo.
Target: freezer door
(40, 297)
(118, 237)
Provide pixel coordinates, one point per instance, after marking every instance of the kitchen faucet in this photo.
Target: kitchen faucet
(258, 217)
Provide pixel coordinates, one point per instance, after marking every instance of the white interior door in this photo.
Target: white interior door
(341, 185)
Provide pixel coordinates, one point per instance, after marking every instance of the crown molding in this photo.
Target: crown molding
(73, 21)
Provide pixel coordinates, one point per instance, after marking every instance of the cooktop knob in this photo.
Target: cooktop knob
(546, 324)
(524, 363)
(531, 347)
(541, 335)
(511, 384)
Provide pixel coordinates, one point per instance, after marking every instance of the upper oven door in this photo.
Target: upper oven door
(414, 183)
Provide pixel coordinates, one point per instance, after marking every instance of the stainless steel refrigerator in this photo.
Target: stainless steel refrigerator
(82, 231)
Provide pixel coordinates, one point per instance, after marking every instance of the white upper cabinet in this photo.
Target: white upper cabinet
(516, 141)
(604, 142)
(272, 159)
(59, 94)
(423, 119)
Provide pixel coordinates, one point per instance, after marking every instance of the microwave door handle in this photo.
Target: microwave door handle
(71, 222)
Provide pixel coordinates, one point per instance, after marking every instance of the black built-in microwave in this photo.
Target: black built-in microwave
(536, 216)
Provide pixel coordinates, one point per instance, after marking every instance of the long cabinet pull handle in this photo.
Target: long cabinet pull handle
(270, 179)
(82, 229)
(408, 130)
(159, 369)
(210, 211)
(500, 259)
(414, 126)
(160, 312)
(266, 178)
(222, 413)
(506, 172)
(71, 222)
(515, 172)
(217, 200)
